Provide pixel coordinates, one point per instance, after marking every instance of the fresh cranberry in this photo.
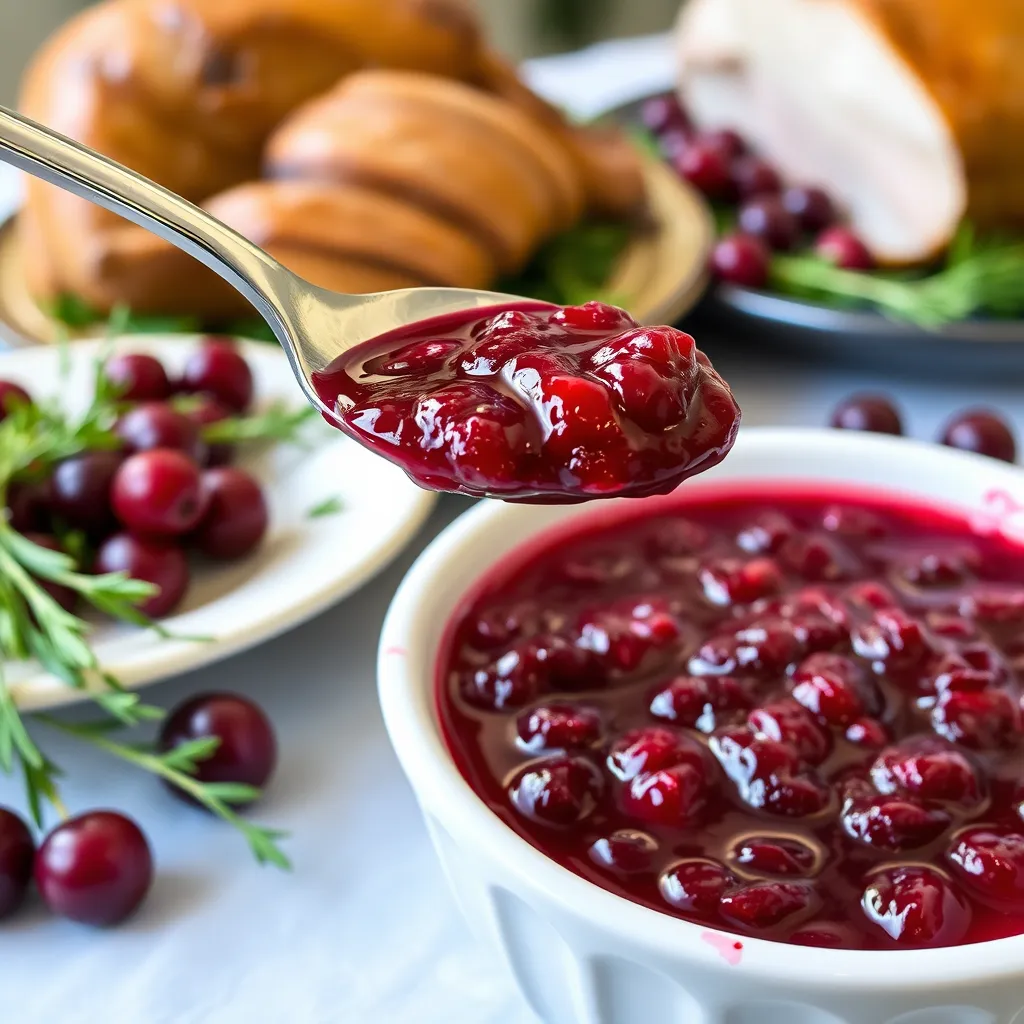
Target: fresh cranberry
(661, 114)
(830, 686)
(28, 505)
(235, 517)
(726, 141)
(217, 368)
(158, 493)
(982, 721)
(246, 749)
(625, 850)
(766, 218)
(916, 906)
(420, 357)
(786, 721)
(11, 396)
(699, 702)
(764, 905)
(16, 853)
(95, 868)
(991, 864)
(205, 411)
(812, 207)
(927, 768)
(156, 425)
(775, 855)
(741, 260)
(138, 377)
(981, 432)
(839, 245)
(649, 750)
(752, 176)
(558, 726)
(733, 581)
(560, 791)
(80, 491)
(705, 167)
(159, 562)
(696, 885)
(894, 823)
(66, 597)
(873, 413)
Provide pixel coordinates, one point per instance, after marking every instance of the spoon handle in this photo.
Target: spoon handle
(60, 161)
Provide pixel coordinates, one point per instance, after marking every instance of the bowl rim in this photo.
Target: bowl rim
(406, 695)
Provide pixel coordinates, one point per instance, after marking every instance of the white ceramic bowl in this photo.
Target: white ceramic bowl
(582, 954)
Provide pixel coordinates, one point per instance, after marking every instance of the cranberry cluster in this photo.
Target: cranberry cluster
(974, 430)
(537, 403)
(770, 216)
(163, 489)
(97, 867)
(777, 714)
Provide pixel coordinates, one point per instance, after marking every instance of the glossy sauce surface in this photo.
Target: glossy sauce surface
(776, 713)
(536, 403)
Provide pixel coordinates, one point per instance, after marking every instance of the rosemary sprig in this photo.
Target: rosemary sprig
(280, 423)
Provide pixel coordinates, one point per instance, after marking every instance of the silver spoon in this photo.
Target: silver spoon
(313, 325)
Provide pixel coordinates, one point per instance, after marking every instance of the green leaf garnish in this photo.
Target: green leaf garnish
(328, 507)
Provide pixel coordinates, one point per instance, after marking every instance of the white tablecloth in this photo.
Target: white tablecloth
(363, 931)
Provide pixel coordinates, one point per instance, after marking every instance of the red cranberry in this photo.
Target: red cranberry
(80, 491)
(16, 853)
(158, 493)
(870, 596)
(156, 425)
(513, 680)
(11, 396)
(775, 855)
(138, 377)
(981, 721)
(786, 721)
(696, 885)
(817, 558)
(916, 906)
(208, 410)
(812, 207)
(95, 868)
(873, 413)
(895, 638)
(28, 506)
(830, 685)
(625, 850)
(64, 596)
(868, 733)
(235, 517)
(661, 114)
(733, 581)
(726, 141)
(741, 260)
(560, 791)
(154, 561)
(926, 768)
(558, 726)
(623, 634)
(217, 368)
(752, 176)
(247, 750)
(766, 534)
(839, 245)
(649, 750)
(649, 398)
(705, 167)
(764, 905)
(699, 702)
(991, 864)
(983, 433)
(890, 823)
(670, 796)
(764, 648)
(766, 218)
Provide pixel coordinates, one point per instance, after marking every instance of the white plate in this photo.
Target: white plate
(303, 566)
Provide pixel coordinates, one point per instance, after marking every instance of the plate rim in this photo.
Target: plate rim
(170, 657)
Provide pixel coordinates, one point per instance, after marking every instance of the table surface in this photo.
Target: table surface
(364, 929)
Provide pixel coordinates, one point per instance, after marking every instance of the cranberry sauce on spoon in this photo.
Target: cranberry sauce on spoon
(768, 711)
(536, 403)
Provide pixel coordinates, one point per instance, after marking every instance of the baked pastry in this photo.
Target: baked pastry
(910, 111)
(188, 92)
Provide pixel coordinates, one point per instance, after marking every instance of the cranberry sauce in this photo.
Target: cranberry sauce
(536, 403)
(783, 715)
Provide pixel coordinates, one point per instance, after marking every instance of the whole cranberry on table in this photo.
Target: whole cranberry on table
(790, 715)
(16, 855)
